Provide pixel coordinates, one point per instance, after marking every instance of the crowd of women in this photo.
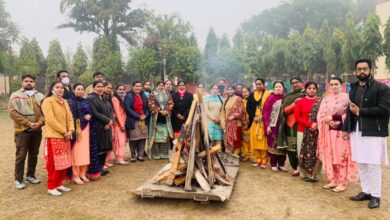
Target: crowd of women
(86, 127)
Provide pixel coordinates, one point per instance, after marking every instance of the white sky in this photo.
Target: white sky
(39, 18)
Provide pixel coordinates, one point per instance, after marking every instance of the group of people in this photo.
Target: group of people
(343, 134)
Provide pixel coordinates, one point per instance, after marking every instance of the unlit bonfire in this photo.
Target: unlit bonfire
(198, 170)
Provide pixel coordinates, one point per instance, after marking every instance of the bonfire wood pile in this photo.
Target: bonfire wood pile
(194, 161)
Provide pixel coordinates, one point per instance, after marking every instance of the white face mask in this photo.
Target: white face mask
(65, 81)
(30, 92)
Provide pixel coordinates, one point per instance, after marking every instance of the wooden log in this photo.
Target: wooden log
(191, 113)
(202, 181)
(215, 149)
(191, 156)
(221, 163)
(200, 166)
(222, 180)
(179, 180)
(176, 155)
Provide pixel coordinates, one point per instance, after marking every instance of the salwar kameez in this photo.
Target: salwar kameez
(333, 151)
(58, 156)
(233, 127)
(160, 127)
(287, 137)
(245, 148)
(212, 108)
(271, 118)
(258, 139)
(119, 132)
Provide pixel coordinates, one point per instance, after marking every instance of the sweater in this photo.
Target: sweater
(301, 113)
(25, 109)
(58, 117)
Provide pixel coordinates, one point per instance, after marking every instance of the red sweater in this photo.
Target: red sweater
(301, 113)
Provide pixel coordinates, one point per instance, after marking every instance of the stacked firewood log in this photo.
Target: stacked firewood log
(194, 161)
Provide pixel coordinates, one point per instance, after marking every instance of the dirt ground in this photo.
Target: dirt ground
(258, 194)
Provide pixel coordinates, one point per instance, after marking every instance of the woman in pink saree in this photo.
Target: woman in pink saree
(333, 150)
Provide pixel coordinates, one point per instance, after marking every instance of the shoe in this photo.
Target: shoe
(329, 186)
(339, 189)
(282, 169)
(310, 179)
(32, 180)
(255, 165)
(64, 189)
(84, 179)
(133, 160)
(122, 162)
(140, 159)
(78, 181)
(275, 169)
(360, 197)
(54, 192)
(19, 184)
(295, 173)
(104, 172)
(374, 202)
(262, 166)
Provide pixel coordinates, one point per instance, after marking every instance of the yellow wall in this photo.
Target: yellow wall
(383, 11)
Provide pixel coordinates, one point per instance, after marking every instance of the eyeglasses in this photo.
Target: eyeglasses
(364, 69)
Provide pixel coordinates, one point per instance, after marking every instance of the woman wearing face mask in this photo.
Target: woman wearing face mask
(82, 113)
(107, 96)
(305, 113)
(212, 106)
(147, 88)
(271, 118)
(136, 105)
(119, 130)
(231, 121)
(59, 128)
(245, 149)
(103, 119)
(160, 128)
(333, 151)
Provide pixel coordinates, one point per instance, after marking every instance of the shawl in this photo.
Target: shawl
(287, 101)
(232, 107)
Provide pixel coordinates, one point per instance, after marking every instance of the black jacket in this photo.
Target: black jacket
(102, 113)
(374, 110)
(181, 106)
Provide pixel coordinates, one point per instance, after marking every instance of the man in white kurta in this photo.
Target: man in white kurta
(367, 123)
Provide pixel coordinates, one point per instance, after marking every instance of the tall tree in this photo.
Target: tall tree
(79, 62)
(27, 62)
(55, 60)
(143, 63)
(372, 39)
(313, 62)
(9, 31)
(107, 59)
(351, 47)
(224, 42)
(329, 54)
(108, 18)
(211, 50)
(169, 35)
(295, 15)
(294, 61)
(186, 63)
(386, 44)
(39, 56)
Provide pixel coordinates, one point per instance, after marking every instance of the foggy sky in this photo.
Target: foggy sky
(39, 18)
